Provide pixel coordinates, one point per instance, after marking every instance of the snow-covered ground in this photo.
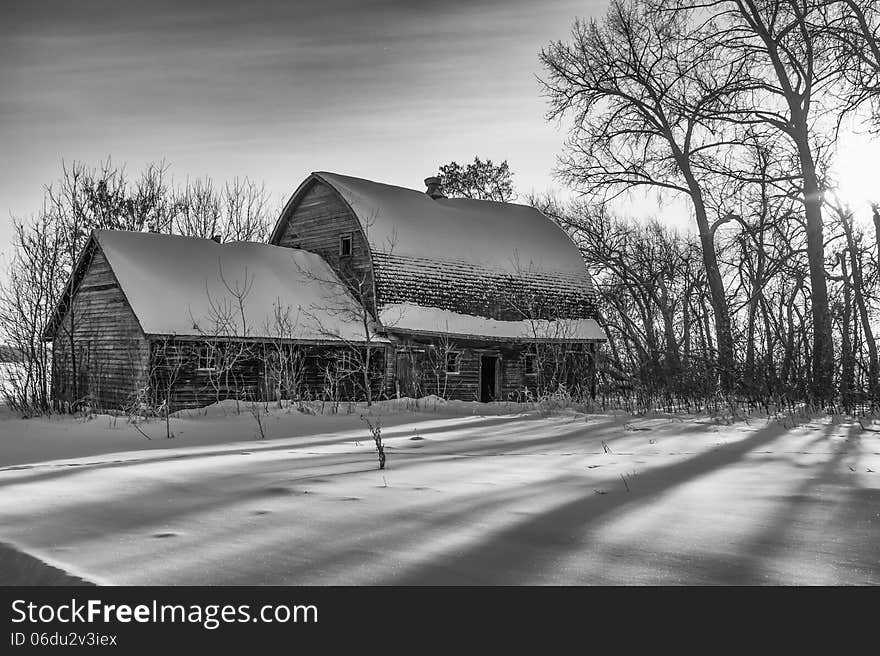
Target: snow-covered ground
(473, 494)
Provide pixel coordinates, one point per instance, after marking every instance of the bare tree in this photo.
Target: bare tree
(345, 303)
(283, 361)
(376, 431)
(791, 75)
(167, 360)
(854, 29)
(238, 211)
(639, 93)
(35, 281)
(226, 339)
(481, 180)
(443, 361)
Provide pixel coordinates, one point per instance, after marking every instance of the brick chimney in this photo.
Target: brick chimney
(434, 190)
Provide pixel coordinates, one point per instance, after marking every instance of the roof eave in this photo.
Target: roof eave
(497, 338)
(285, 340)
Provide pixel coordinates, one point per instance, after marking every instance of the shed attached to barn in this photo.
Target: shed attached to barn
(162, 319)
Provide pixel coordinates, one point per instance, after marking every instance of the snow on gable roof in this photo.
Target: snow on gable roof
(187, 286)
(429, 320)
(503, 236)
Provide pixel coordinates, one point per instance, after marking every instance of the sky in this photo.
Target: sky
(274, 89)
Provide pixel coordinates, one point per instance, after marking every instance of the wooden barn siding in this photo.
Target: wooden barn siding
(248, 380)
(465, 386)
(470, 289)
(112, 351)
(316, 224)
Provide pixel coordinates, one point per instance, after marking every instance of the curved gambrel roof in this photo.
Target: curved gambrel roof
(504, 236)
(493, 259)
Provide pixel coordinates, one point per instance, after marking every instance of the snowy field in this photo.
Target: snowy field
(473, 494)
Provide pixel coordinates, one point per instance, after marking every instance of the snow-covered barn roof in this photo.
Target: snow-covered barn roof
(187, 286)
(505, 237)
(474, 259)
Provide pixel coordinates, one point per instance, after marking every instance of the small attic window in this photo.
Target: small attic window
(345, 246)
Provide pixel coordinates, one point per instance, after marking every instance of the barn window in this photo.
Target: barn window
(207, 360)
(453, 362)
(530, 364)
(344, 362)
(345, 246)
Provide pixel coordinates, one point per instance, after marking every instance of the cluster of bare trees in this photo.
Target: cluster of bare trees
(735, 106)
(46, 246)
(481, 180)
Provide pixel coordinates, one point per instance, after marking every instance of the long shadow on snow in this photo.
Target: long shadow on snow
(166, 502)
(514, 555)
(368, 536)
(64, 469)
(585, 434)
(182, 499)
(20, 568)
(365, 539)
(179, 500)
(844, 515)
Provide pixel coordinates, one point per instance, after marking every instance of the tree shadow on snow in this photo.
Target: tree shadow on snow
(515, 554)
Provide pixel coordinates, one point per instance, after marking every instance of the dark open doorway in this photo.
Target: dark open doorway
(404, 368)
(488, 365)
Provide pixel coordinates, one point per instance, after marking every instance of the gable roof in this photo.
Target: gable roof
(501, 237)
(187, 286)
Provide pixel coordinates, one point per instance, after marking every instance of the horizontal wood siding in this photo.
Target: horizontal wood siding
(110, 350)
(177, 382)
(425, 370)
(316, 225)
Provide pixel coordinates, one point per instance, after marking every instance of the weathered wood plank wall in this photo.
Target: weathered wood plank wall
(177, 380)
(111, 351)
(316, 225)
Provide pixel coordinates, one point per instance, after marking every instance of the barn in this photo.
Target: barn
(481, 300)
(365, 290)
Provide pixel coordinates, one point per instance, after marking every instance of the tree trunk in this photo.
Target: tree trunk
(858, 287)
(847, 364)
(823, 349)
(876, 215)
(717, 297)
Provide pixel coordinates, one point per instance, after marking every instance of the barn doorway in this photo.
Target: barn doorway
(404, 368)
(488, 377)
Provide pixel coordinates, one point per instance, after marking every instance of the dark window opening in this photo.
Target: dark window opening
(345, 246)
(453, 362)
(530, 364)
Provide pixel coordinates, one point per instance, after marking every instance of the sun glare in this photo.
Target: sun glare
(856, 171)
